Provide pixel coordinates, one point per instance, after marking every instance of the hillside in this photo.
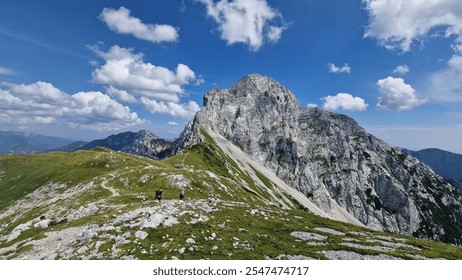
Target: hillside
(99, 204)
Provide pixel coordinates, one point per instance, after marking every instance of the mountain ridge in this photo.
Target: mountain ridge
(142, 143)
(17, 142)
(446, 164)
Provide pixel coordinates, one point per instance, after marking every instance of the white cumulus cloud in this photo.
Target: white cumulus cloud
(397, 95)
(185, 110)
(251, 22)
(6, 71)
(121, 95)
(338, 70)
(127, 74)
(344, 101)
(401, 70)
(41, 103)
(130, 79)
(397, 23)
(122, 22)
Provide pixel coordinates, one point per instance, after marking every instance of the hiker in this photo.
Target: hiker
(181, 194)
(159, 195)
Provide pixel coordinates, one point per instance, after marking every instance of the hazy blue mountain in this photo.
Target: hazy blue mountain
(14, 142)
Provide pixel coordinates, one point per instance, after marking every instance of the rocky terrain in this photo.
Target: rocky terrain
(99, 204)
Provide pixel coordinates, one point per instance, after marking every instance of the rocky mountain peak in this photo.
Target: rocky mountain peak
(257, 84)
(144, 133)
(252, 107)
(253, 88)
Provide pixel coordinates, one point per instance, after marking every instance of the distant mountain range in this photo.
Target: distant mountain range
(448, 165)
(142, 143)
(15, 142)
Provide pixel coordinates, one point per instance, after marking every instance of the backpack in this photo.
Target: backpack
(158, 194)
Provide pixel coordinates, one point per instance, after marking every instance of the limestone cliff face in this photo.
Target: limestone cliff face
(329, 157)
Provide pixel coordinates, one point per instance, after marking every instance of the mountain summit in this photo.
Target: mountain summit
(330, 159)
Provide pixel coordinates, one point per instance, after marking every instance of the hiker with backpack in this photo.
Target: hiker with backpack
(159, 195)
(181, 194)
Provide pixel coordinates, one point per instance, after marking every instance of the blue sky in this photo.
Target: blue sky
(88, 69)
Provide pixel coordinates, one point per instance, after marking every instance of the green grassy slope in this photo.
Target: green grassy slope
(107, 201)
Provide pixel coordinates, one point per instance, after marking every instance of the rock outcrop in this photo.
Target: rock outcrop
(331, 159)
(142, 143)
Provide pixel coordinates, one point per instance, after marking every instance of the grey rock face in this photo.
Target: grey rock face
(327, 155)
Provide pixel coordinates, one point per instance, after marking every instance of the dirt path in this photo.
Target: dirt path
(109, 188)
